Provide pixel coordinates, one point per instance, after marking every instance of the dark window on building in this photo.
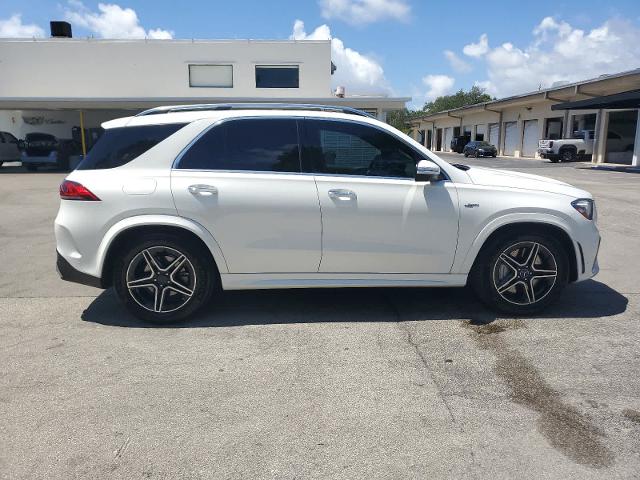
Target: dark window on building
(260, 144)
(277, 76)
(119, 146)
(348, 148)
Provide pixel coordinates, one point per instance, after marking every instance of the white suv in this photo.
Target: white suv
(176, 203)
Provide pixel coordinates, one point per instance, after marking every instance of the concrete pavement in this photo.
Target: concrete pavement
(380, 383)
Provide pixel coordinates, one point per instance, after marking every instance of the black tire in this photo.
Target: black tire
(198, 274)
(491, 272)
(554, 159)
(568, 155)
(465, 155)
(63, 164)
(32, 168)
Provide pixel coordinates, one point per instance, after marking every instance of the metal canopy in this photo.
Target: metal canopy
(630, 99)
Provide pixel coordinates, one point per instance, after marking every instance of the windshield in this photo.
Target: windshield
(33, 137)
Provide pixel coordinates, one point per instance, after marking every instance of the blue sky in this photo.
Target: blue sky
(397, 47)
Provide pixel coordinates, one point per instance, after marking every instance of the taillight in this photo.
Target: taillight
(74, 191)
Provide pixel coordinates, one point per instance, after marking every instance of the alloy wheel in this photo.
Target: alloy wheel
(161, 279)
(525, 273)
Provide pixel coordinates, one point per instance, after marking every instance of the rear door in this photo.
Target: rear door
(241, 179)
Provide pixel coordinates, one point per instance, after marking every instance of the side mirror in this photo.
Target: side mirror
(426, 170)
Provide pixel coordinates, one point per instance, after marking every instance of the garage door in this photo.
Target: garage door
(510, 138)
(494, 128)
(530, 138)
(481, 132)
(448, 134)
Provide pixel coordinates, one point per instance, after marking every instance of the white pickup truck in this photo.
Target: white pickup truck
(568, 149)
(580, 146)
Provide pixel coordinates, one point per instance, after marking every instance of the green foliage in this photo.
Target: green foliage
(457, 100)
(400, 119)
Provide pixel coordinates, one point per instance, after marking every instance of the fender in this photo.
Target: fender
(463, 263)
(167, 220)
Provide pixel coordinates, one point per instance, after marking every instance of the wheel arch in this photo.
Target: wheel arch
(132, 228)
(550, 228)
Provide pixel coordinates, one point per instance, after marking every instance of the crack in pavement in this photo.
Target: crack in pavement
(406, 329)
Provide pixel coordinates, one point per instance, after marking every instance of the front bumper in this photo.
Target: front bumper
(70, 274)
(546, 153)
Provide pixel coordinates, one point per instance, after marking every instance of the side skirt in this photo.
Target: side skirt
(251, 281)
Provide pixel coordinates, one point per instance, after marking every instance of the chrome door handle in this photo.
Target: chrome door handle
(203, 190)
(342, 195)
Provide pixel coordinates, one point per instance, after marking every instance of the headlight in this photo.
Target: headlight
(584, 206)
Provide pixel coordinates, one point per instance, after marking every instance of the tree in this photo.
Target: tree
(457, 100)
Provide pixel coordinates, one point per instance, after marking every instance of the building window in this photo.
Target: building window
(277, 76)
(212, 76)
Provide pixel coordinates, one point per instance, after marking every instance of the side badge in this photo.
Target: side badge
(472, 205)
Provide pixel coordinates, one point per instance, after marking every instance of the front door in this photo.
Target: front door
(241, 180)
(376, 218)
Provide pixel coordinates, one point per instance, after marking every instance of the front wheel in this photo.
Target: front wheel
(165, 278)
(520, 274)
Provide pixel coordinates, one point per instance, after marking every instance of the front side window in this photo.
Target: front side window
(118, 146)
(256, 144)
(277, 76)
(349, 148)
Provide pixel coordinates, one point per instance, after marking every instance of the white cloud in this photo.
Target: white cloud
(358, 73)
(13, 27)
(477, 49)
(456, 62)
(111, 21)
(362, 12)
(437, 85)
(558, 52)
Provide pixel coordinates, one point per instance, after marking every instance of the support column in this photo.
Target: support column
(600, 137)
(500, 145)
(565, 125)
(636, 146)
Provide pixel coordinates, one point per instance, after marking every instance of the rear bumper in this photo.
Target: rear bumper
(70, 274)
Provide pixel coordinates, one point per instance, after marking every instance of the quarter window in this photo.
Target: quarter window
(348, 148)
(264, 145)
(277, 76)
(118, 146)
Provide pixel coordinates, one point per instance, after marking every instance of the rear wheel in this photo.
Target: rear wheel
(520, 274)
(568, 155)
(165, 278)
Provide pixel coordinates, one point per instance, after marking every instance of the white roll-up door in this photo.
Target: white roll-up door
(530, 138)
(448, 135)
(481, 132)
(494, 130)
(510, 138)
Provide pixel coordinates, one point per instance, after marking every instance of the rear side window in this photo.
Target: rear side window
(256, 144)
(118, 146)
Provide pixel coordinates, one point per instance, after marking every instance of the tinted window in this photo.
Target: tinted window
(349, 148)
(39, 137)
(260, 144)
(277, 77)
(118, 146)
(10, 138)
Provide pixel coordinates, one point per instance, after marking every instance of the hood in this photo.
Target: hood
(525, 181)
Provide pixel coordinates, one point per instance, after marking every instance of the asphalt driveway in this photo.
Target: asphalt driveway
(378, 383)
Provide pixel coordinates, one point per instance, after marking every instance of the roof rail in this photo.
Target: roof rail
(252, 106)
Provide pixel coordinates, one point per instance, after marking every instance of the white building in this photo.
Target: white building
(608, 105)
(59, 85)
